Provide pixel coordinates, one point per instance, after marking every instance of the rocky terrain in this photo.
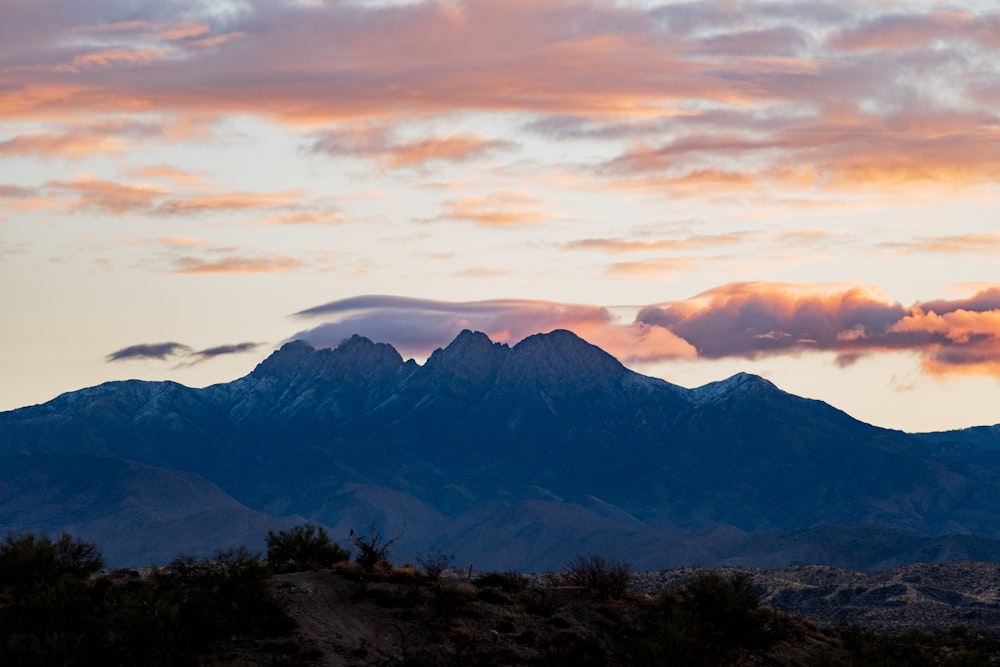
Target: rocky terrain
(923, 596)
(824, 611)
(310, 602)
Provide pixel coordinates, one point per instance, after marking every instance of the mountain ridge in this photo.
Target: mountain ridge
(553, 429)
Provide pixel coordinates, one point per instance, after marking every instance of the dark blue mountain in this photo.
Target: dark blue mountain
(510, 456)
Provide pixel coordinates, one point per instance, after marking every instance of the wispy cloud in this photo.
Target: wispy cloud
(108, 196)
(158, 351)
(775, 94)
(178, 351)
(233, 200)
(236, 264)
(631, 245)
(501, 209)
(183, 197)
(378, 143)
(959, 244)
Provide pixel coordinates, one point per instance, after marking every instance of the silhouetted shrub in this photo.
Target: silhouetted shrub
(48, 603)
(708, 620)
(28, 559)
(434, 563)
(607, 577)
(302, 548)
(180, 611)
(372, 547)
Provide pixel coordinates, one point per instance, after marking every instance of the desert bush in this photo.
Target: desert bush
(28, 559)
(434, 563)
(303, 547)
(709, 620)
(49, 604)
(372, 547)
(608, 577)
(181, 610)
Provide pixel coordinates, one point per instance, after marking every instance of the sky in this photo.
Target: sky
(809, 191)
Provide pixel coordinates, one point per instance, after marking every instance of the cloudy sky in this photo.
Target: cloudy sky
(803, 190)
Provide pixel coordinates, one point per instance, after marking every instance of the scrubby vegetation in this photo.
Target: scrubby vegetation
(55, 609)
(607, 577)
(306, 604)
(302, 548)
(372, 547)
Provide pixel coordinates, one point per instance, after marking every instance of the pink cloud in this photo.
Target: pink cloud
(759, 319)
(724, 99)
(108, 196)
(233, 200)
(377, 142)
(236, 264)
(905, 31)
(502, 209)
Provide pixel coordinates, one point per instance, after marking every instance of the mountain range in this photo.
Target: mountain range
(505, 456)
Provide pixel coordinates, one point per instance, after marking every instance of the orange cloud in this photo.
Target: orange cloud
(218, 40)
(75, 144)
(236, 264)
(377, 142)
(452, 148)
(498, 210)
(184, 30)
(620, 246)
(700, 99)
(330, 217)
(110, 197)
(229, 201)
(758, 319)
(652, 268)
(116, 56)
(984, 244)
(125, 199)
(182, 241)
(169, 173)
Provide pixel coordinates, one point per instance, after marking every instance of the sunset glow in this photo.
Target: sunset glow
(803, 190)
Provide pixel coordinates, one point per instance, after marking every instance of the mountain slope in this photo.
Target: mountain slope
(138, 514)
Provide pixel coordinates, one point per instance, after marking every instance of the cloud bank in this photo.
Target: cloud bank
(737, 96)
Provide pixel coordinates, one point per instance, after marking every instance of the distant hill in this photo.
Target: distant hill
(505, 456)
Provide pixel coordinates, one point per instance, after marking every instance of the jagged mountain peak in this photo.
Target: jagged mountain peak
(356, 354)
(739, 384)
(284, 360)
(472, 357)
(469, 343)
(362, 356)
(559, 357)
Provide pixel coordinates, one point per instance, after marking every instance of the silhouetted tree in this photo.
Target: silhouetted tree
(372, 547)
(303, 547)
